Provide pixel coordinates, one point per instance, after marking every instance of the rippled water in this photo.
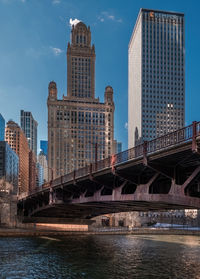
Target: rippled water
(100, 257)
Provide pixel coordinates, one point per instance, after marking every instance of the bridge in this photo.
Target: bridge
(160, 174)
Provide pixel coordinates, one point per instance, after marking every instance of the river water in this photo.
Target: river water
(100, 256)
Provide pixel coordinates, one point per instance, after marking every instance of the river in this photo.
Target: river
(100, 256)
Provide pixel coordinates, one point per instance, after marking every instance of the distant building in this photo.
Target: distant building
(40, 175)
(2, 128)
(42, 160)
(18, 142)
(29, 126)
(156, 78)
(117, 147)
(32, 170)
(80, 127)
(44, 147)
(9, 165)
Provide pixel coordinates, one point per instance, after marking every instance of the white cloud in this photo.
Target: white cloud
(126, 125)
(56, 51)
(111, 17)
(73, 21)
(106, 16)
(43, 51)
(56, 2)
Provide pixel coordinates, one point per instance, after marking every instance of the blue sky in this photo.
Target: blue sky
(34, 37)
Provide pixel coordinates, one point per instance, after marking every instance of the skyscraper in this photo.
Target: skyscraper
(156, 76)
(2, 127)
(40, 175)
(29, 126)
(18, 142)
(117, 147)
(42, 160)
(80, 127)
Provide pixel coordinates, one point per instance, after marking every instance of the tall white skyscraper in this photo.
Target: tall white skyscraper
(156, 78)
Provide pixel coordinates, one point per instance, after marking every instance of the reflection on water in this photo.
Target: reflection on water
(149, 256)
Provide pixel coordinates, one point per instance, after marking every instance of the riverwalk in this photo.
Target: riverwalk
(15, 232)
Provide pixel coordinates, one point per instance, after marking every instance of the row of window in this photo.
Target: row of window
(164, 75)
(81, 95)
(162, 61)
(81, 59)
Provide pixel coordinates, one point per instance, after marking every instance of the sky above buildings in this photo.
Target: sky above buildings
(34, 37)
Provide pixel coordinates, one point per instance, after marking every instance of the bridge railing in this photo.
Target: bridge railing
(102, 164)
(129, 154)
(67, 177)
(83, 171)
(56, 181)
(170, 139)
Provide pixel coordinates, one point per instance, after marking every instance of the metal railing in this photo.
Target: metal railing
(169, 140)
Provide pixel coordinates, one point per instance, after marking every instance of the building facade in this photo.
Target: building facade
(40, 175)
(80, 127)
(156, 78)
(117, 147)
(9, 166)
(42, 160)
(29, 126)
(15, 137)
(2, 128)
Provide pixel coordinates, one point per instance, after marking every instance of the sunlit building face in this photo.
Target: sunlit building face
(156, 75)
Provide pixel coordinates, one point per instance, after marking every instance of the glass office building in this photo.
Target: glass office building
(29, 127)
(156, 75)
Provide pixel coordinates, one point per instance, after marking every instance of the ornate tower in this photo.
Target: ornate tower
(80, 127)
(80, 63)
(52, 90)
(108, 95)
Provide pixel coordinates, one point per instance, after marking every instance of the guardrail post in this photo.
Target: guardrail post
(145, 153)
(194, 136)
